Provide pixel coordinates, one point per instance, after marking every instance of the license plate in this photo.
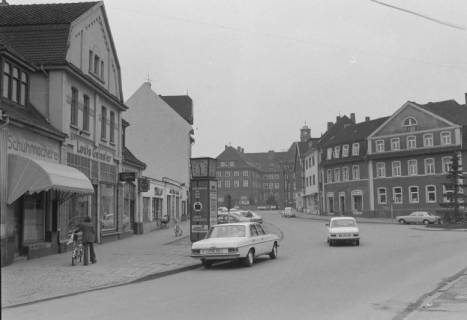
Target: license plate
(213, 251)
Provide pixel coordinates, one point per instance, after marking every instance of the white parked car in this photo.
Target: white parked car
(343, 229)
(288, 212)
(235, 241)
(419, 217)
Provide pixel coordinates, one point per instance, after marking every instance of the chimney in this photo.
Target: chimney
(352, 117)
(226, 146)
(367, 118)
(338, 118)
(330, 124)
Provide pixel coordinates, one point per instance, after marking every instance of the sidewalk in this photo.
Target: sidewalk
(448, 302)
(118, 262)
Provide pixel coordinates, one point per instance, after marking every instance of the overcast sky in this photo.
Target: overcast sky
(257, 70)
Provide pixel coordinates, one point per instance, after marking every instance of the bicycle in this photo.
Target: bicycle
(77, 252)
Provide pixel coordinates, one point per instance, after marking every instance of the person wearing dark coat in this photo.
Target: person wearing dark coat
(89, 237)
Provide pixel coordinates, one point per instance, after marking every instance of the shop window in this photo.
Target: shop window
(146, 216)
(33, 218)
(128, 206)
(108, 213)
(157, 209)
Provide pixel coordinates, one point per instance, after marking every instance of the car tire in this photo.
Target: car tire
(250, 258)
(401, 221)
(426, 222)
(273, 253)
(206, 264)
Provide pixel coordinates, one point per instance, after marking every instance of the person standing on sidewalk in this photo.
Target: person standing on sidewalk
(89, 236)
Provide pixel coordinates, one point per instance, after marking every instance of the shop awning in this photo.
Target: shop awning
(27, 175)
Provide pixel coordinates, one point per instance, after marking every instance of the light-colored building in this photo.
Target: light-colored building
(77, 89)
(161, 135)
(311, 174)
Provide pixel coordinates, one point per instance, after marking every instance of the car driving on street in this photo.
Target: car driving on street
(419, 217)
(235, 241)
(343, 229)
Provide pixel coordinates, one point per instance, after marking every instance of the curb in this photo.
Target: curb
(111, 285)
(326, 218)
(442, 287)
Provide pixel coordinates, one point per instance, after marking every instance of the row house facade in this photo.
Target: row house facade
(161, 133)
(71, 80)
(311, 194)
(344, 169)
(392, 165)
(410, 155)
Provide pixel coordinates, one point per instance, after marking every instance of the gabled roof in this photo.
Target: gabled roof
(332, 131)
(449, 109)
(183, 105)
(39, 32)
(130, 159)
(42, 14)
(30, 117)
(354, 132)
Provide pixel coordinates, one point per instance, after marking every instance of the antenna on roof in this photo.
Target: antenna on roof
(148, 79)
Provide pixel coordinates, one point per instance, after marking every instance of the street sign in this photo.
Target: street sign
(197, 206)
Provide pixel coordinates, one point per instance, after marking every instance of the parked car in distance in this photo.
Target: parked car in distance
(288, 212)
(419, 217)
(228, 217)
(250, 215)
(343, 229)
(235, 241)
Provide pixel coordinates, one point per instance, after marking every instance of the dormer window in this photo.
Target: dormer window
(410, 124)
(15, 84)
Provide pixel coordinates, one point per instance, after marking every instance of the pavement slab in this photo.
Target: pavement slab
(119, 262)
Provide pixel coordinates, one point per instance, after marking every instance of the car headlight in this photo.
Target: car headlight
(233, 250)
(195, 251)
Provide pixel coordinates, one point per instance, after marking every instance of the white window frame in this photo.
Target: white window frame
(382, 192)
(445, 191)
(427, 193)
(245, 173)
(345, 173)
(428, 140)
(446, 163)
(379, 145)
(236, 173)
(429, 167)
(411, 139)
(245, 183)
(395, 144)
(380, 169)
(395, 194)
(412, 170)
(356, 169)
(411, 200)
(345, 150)
(396, 169)
(355, 149)
(337, 150)
(227, 184)
(446, 138)
(337, 174)
(227, 173)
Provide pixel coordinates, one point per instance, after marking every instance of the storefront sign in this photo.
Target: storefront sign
(143, 184)
(33, 145)
(91, 151)
(158, 191)
(127, 176)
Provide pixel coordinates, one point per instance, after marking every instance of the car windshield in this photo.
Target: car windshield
(226, 232)
(247, 214)
(343, 223)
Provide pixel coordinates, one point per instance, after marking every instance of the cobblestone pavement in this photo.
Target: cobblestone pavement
(118, 262)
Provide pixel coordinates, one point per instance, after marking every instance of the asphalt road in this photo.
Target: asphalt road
(392, 268)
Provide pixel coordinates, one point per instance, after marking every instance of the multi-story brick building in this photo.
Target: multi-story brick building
(344, 169)
(410, 153)
(250, 178)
